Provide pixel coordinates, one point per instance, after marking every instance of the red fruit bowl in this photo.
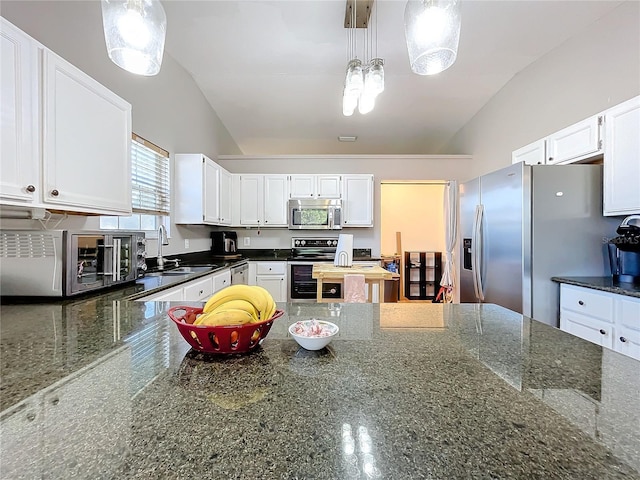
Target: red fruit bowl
(224, 339)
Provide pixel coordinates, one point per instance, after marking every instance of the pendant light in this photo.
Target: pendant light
(134, 31)
(432, 30)
(364, 81)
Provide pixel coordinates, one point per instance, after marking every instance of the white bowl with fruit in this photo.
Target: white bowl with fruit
(313, 334)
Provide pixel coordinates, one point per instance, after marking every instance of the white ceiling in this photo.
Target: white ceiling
(274, 70)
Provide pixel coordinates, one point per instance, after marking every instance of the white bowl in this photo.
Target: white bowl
(314, 342)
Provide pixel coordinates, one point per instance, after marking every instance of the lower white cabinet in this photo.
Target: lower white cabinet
(604, 318)
(198, 290)
(272, 276)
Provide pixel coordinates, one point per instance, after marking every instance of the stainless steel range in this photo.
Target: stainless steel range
(304, 253)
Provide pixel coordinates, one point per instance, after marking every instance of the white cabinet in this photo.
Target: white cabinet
(622, 159)
(19, 143)
(203, 191)
(357, 200)
(261, 200)
(576, 142)
(198, 290)
(532, 154)
(604, 318)
(86, 142)
(272, 276)
(84, 129)
(314, 186)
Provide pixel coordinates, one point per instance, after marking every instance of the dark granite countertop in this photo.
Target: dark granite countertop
(100, 388)
(605, 284)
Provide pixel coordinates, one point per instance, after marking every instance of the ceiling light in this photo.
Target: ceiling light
(134, 31)
(363, 81)
(432, 30)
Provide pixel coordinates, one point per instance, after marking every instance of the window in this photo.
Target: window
(150, 193)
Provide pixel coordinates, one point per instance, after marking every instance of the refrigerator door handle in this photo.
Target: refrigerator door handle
(476, 257)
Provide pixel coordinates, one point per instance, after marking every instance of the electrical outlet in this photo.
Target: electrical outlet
(186, 243)
(247, 241)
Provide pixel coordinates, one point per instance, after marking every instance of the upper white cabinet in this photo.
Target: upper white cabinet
(19, 145)
(203, 191)
(532, 154)
(622, 159)
(579, 141)
(87, 141)
(314, 186)
(261, 200)
(84, 129)
(357, 200)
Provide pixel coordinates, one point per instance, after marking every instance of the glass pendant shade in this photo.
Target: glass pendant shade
(374, 78)
(432, 30)
(134, 31)
(366, 102)
(354, 83)
(349, 103)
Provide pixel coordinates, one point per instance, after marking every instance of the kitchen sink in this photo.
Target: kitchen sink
(179, 271)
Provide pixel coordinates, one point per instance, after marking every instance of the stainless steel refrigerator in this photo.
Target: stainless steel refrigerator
(522, 225)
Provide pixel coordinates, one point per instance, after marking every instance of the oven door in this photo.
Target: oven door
(120, 258)
(85, 262)
(303, 288)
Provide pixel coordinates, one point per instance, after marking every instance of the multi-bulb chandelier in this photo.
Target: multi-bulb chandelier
(364, 81)
(134, 31)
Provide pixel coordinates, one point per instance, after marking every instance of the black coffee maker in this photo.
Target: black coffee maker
(624, 252)
(224, 243)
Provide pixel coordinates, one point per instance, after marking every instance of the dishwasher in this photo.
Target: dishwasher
(240, 274)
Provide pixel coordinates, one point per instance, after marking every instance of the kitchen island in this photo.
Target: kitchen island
(109, 389)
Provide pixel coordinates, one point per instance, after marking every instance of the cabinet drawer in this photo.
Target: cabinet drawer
(221, 280)
(271, 268)
(627, 342)
(628, 312)
(198, 290)
(587, 302)
(588, 328)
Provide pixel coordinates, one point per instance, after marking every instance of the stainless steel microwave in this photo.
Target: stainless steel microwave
(62, 263)
(310, 214)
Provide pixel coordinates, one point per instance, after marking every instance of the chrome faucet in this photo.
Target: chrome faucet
(162, 240)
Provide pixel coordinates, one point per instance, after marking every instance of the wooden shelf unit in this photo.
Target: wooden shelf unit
(422, 273)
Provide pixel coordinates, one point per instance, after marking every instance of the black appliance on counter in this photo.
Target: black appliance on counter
(224, 244)
(624, 252)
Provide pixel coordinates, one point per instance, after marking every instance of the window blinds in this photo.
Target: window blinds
(150, 178)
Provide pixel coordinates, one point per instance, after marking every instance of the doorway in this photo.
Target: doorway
(412, 220)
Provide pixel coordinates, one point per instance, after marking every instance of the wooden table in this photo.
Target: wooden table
(323, 272)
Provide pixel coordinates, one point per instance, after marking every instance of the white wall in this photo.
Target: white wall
(589, 73)
(168, 109)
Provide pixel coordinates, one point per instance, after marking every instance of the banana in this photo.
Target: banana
(232, 292)
(239, 304)
(229, 316)
(255, 300)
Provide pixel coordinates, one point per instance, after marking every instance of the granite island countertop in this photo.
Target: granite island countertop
(109, 389)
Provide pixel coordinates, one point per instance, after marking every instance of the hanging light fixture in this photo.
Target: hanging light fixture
(134, 31)
(363, 81)
(432, 30)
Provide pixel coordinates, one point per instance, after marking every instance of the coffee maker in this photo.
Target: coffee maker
(624, 252)
(224, 244)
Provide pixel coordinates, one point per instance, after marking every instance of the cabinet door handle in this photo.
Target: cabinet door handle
(31, 188)
(603, 331)
(201, 292)
(580, 302)
(550, 159)
(623, 339)
(55, 193)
